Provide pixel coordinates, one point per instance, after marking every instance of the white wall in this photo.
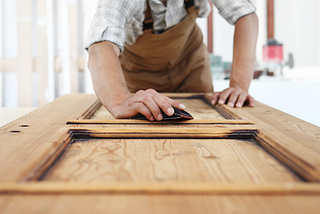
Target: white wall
(223, 33)
(9, 50)
(262, 38)
(58, 27)
(296, 26)
(222, 37)
(203, 23)
(10, 44)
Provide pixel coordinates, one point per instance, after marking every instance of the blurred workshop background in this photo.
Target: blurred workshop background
(42, 54)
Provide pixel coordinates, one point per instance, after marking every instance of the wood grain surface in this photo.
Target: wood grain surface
(77, 188)
(294, 141)
(22, 138)
(168, 160)
(158, 204)
(305, 133)
(211, 175)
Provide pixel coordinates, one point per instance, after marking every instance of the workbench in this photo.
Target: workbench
(72, 156)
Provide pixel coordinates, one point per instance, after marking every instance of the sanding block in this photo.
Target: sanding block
(177, 115)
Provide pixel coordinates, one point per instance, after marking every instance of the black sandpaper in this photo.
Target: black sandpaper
(177, 115)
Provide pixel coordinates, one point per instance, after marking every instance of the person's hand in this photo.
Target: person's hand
(148, 103)
(234, 97)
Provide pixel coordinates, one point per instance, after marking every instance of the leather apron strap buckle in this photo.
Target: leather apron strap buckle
(147, 24)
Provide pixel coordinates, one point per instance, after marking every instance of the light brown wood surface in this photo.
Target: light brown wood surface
(168, 160)
(22, 138)
(229, 160)
(306, 133)
(286, 133)
(171, 204)
(45, 187)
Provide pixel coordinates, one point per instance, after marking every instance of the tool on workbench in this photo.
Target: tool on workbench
(273, 57)
(177, 115)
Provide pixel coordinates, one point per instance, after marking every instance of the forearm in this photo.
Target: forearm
(245, 39)
(106, 73)
(111, 88)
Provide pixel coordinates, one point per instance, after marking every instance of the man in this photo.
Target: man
(151, 46)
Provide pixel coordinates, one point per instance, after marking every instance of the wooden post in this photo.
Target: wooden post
(210, 30)
(25, 67)
(89, 8)
(1, 52)
(64, 49)
(42, 57)
(1, 88)
(73, 42)
(50, 40)
(270, 18)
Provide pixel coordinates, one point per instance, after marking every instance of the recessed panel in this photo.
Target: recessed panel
(167, 160)
(198, 108)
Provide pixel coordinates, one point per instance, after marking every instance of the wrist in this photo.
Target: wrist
(112, 98)
(242, 86)
(240, 79)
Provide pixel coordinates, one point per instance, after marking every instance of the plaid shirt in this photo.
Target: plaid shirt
(121, 21)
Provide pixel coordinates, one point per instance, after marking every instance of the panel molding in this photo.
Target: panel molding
(169, 188)
(130, 121)
(299, 162)
(225, 112)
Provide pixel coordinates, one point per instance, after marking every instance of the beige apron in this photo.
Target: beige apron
(173, 61)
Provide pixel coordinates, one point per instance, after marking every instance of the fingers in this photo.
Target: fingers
(141, 108)
(174, 103)
(234, 96)
(215, 97)
(251, 101)
(241, 99)
(148, 98)
(154, 101)
(225, 94)
(161, 102)
(166, 104)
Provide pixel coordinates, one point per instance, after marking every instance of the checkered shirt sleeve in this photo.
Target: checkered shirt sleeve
(232, 10)
(121, 21)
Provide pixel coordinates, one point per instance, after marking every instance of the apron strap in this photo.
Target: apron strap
(148, 22)
(188, 4)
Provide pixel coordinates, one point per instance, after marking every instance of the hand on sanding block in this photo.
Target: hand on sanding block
(177, 115)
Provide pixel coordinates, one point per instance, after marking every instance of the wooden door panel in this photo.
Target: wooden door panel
(73, 148)
(168, 160)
